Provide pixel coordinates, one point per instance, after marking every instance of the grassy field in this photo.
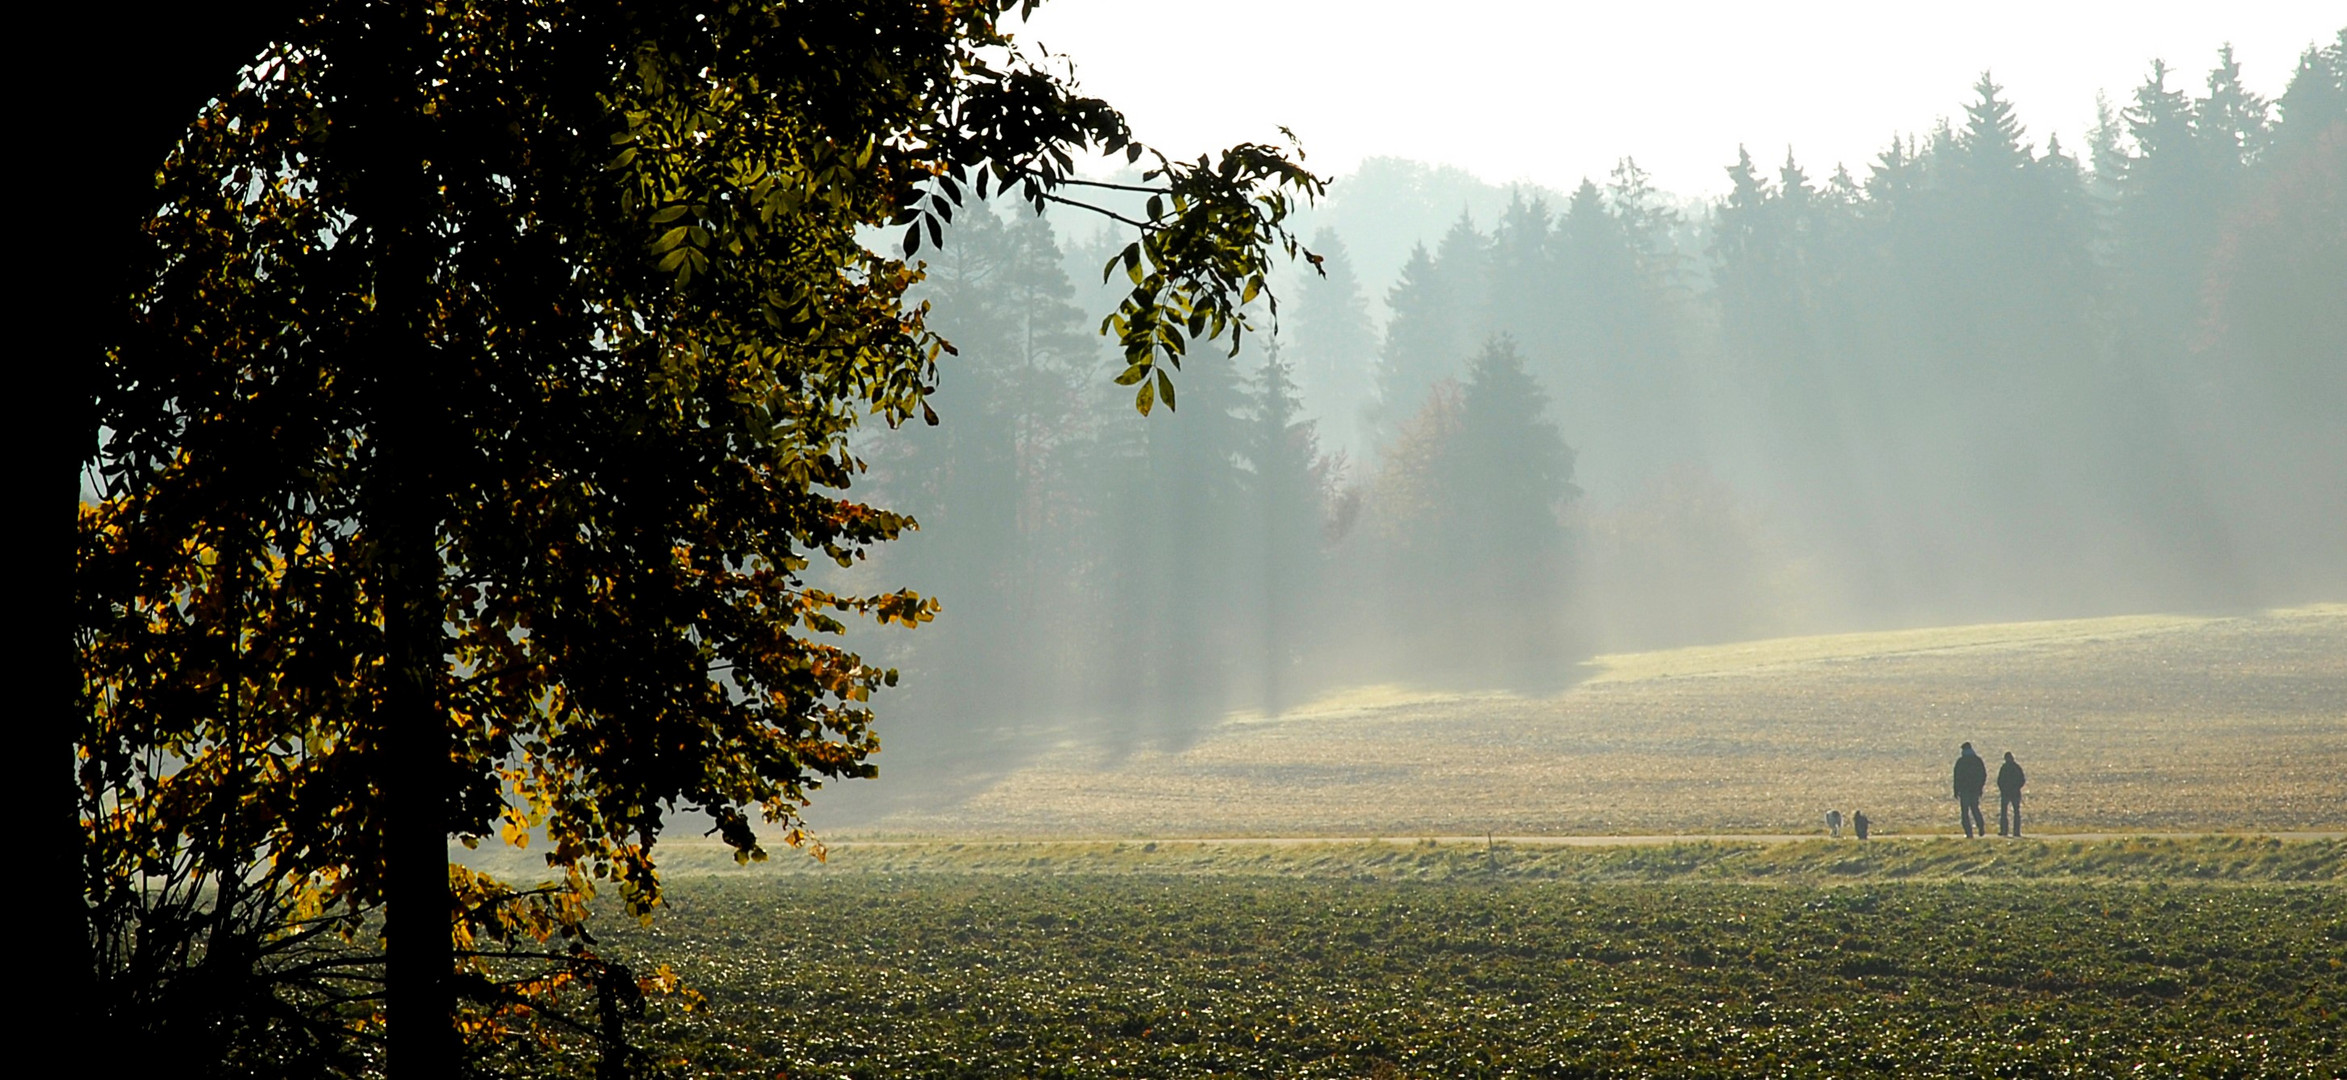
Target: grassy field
(2144, 723)
(2208, 859)
(2216, 957)
(1623, 879)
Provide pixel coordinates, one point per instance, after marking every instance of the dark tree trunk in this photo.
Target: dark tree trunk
(388, 139)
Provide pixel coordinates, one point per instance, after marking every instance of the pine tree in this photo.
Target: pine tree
(1419, 333)
(2316, 99)
(2232, 123)
(1509, 474)
(1335, 346)
(1172, 642)
(1522, 272)
(1289, 489)
(983, 482)
(2265, 352)
(1612, 339)
(1463, 261)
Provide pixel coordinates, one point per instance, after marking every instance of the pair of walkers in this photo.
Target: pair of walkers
(1972, 780)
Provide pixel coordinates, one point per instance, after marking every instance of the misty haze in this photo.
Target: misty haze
(1505, 431)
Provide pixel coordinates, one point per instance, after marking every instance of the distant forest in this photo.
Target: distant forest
(1982, 379)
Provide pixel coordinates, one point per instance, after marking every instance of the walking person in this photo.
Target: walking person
(1859, 823)
(1971, 779)
(2009, 781)
(1833, 823)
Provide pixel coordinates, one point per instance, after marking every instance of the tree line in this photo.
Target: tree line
(1983, 378)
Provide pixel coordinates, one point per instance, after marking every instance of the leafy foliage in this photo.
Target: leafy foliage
(488, 394)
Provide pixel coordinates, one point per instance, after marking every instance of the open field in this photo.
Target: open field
(1645, 903)
(1906, 958)
(2205, 859)
(2130, 724)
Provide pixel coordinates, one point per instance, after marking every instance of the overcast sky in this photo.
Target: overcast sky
(1550, 92)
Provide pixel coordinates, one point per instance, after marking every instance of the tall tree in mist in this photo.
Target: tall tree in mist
(1335, 346)
(1510, 474)
(1289, 487)
(1467, 502)
(1413, 355)
(1776, 332)
(1435, 312)
(1612, 335)
(2002, 292)
(2266, 355)
(984, 482)
(1520, 300)
(1172, 508)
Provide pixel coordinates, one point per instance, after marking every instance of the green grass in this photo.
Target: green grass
(2166, 859)
(1691, 960)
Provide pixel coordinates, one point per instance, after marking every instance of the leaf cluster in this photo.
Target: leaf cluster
(629, 245)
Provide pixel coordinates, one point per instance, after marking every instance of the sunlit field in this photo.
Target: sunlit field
(2132, 724)
(1626, 878)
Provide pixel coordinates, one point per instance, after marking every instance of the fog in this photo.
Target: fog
(1987, 375)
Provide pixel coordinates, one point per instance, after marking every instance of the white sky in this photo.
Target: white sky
(1550, 92)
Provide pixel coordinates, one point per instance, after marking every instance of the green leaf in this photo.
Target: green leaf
(1165, 387)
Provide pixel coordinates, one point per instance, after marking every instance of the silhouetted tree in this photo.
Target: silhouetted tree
(460, 468)
(2265, 354)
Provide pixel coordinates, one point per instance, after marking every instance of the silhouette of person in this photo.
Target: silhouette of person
(1858, 823)
(1833, 823)
(2009, 781)
(1971, 778)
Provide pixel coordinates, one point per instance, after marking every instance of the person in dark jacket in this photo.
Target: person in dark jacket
(2009, 781)
(1971, 779)
(1858, 821)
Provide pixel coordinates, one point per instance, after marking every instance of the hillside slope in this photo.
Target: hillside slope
(2151, 723)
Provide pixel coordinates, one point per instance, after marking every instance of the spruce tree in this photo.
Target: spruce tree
(980, 482)
(1509, 474)
(1522, 270)
(1335, 346)
(1288, 492)
(1420, 330)
(1172, 642)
